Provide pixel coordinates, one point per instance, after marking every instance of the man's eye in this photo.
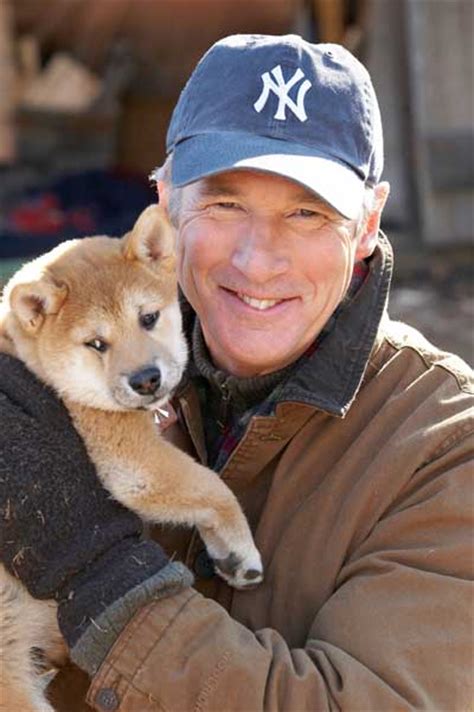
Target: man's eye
(97, 345)
(226, 205)
(148, 321)
(306, 213)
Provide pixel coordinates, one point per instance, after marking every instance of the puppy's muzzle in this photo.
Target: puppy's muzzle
(146, 381)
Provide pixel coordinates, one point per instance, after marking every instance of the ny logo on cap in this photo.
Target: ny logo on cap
(282, 89)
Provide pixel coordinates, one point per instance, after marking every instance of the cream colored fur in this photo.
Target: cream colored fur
(97, 288)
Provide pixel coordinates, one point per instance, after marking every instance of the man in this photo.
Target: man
(346, 437)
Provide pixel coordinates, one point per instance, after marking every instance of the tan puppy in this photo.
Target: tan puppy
(98, 320)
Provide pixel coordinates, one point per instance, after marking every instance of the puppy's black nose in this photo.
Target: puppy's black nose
(146, 381)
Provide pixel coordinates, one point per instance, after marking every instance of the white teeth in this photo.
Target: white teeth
(261, 304)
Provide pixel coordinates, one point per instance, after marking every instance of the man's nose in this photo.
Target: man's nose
(260, 253)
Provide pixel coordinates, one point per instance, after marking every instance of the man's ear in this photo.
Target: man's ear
(34, 301)
(368, 238)
(151, 239)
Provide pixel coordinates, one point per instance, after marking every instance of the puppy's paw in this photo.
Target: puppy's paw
(240, 572)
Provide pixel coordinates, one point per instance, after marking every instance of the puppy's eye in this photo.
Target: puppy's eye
(148, 321)
(97, 345)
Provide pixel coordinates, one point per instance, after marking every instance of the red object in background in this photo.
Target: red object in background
(45, 215)
(81, 220)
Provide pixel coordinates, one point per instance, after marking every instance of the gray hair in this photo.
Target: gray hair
(163, 173)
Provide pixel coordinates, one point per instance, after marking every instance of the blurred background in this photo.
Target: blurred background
(87, 88)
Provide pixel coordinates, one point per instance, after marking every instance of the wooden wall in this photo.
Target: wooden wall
(420, 54)
(440, 42)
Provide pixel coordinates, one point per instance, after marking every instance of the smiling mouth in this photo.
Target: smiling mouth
(259, 304)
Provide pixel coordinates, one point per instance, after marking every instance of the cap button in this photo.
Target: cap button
(107, 699)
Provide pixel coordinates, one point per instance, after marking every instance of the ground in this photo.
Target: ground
(438, 299)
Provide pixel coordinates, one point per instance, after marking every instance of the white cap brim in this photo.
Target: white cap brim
(208, 154)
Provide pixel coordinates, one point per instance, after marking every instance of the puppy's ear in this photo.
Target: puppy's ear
(32, 302)
(152, 237)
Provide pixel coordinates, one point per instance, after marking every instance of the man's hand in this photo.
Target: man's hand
(61, 533)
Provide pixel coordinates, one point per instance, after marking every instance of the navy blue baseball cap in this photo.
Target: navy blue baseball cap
(282, 105)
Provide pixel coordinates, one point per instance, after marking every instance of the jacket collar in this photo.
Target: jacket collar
(330, 378)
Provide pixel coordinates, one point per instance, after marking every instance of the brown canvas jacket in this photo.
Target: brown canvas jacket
(359, 492)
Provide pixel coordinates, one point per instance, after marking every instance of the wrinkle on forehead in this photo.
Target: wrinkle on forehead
(230, 184)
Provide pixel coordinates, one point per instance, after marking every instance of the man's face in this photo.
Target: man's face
(264, 263)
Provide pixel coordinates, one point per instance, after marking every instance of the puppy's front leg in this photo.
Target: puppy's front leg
(162, 484)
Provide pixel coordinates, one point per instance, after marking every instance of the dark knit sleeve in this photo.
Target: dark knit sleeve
(61, 533)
